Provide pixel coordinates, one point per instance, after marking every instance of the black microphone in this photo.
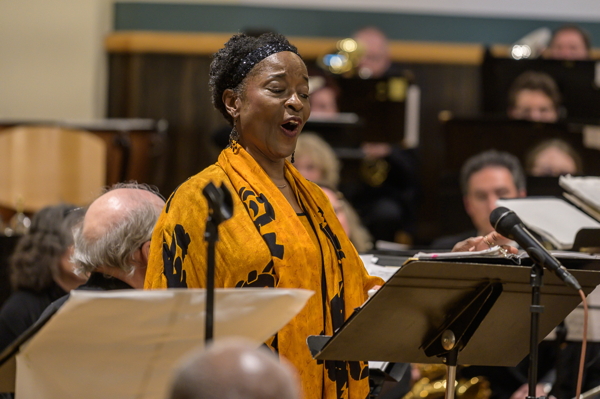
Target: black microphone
(507, 223)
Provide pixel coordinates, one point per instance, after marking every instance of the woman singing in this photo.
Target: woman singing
(284, 232)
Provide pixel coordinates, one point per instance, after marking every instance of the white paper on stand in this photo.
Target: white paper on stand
(125, 344)
(552, 218)
(385, 272)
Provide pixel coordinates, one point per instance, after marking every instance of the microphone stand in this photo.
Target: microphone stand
(537, 272)
(220, 208)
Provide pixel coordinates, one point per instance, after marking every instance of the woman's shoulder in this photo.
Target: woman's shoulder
(191, 189)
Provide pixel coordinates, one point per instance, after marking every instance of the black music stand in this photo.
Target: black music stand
(452, 313)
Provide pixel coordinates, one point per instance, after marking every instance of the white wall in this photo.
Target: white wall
(52, 62)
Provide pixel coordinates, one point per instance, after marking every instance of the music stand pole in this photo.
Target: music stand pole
(220, 208)
(451, 359)
(211, 236)
(535, 279)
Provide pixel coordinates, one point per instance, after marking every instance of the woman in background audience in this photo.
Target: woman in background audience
(553, 158)
(40, 270)
(534, 96)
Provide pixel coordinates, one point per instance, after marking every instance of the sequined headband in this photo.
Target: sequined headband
(256, 56)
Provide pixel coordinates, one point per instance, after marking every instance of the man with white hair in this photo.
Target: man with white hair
(234, 369)
(112, 243)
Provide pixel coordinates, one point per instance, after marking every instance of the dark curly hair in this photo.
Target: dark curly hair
(226, 63)
(37, 255)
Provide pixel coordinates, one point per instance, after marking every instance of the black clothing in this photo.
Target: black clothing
(96, 282)
(22, 309)
(567, 365)
(102, 282)
(392, 206)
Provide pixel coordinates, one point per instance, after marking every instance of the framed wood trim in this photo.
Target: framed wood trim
(310, 48)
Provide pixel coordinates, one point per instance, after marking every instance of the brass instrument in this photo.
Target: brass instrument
(344, 60)
(432, 385)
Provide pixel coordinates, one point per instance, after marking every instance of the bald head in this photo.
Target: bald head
(235, 370)
(114, 206)
(116, 230)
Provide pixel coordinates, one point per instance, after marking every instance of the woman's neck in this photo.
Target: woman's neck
(275, 169)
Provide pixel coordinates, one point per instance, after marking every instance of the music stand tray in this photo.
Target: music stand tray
(487, 307)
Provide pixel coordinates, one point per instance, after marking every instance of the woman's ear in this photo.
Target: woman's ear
(232, 103)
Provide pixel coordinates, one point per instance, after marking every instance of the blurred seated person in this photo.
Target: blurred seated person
(569, 42)
(41, 270)
(553, 157)
(350, 221)
(386, 204)
(316, 161)
(235, 369)
(484, 178)
(376, 61)
(387, 197)
(534, 96)
(324, 93)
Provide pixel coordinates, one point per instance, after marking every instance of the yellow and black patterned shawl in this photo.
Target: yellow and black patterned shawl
(265, 244)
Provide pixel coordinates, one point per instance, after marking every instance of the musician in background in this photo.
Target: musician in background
(112, 244)
(375, 62)
(324, 93)
(569, 42)
(534, 96)
(41, 270)
(485, 178)
(553, 157)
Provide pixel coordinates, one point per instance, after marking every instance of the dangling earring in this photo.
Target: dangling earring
(293, 156)
(234, 137)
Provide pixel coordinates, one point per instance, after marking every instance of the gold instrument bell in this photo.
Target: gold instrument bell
(344, 60)
(432, 385)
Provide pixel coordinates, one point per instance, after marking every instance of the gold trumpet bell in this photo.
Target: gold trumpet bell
(345, 58)
(432, 385)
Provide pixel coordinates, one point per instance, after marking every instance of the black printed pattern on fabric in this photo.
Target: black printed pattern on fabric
(173, 257)
(262, 280)
(262, 213)
(337, 370)
(168, 204)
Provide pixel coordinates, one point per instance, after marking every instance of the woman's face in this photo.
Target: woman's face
(553, 161)
(534, 105)
(273, 106)
(308, 168)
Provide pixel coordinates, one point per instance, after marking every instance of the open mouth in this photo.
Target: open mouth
(291, 127)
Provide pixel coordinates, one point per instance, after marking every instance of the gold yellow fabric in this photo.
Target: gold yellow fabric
(265, 244)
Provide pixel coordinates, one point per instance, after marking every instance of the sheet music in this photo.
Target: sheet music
(585, 188)
(552, 218)
(125, 344)
(385, 272)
